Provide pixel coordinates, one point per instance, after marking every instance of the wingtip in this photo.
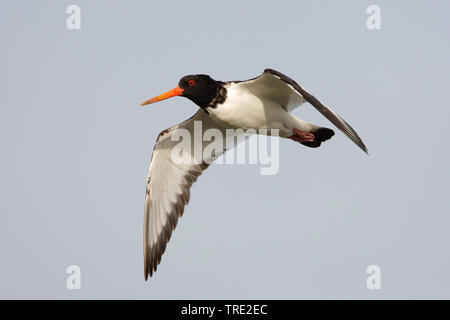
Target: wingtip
(364, 148)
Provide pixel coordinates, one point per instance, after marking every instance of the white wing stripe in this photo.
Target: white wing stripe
(168, 191)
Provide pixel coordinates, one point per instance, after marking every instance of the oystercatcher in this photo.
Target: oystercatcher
(264, 102)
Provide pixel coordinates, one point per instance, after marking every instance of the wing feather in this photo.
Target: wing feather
(332, 116)
(168, 190)
(277, 87)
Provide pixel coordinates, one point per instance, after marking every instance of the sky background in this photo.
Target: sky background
(76, 146)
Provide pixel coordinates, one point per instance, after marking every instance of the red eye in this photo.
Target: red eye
(191, 82)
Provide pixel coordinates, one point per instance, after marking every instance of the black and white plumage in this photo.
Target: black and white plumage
(264, 102)
(168, 190)
(332, 116)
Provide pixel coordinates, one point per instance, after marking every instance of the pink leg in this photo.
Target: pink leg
(302, 136)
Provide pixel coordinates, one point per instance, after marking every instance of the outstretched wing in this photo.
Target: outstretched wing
(169, 181)
(272, 88)
(275, 86)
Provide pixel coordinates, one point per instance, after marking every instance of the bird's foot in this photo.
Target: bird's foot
(302, 136)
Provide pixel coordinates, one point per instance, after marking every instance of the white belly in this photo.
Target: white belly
(244, 110)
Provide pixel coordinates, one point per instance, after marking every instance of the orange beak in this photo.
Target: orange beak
(169, 94)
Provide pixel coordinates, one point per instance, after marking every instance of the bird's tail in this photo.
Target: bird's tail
(321, 135)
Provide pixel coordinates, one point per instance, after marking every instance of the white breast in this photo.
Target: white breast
(243, 109)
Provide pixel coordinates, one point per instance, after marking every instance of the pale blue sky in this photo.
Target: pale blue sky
(76, 148)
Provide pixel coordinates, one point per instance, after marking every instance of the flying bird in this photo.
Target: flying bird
(264, 102)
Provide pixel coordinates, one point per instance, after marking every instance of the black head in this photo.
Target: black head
(199, 88)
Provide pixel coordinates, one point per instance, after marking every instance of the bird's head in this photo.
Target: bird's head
(199, 88)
